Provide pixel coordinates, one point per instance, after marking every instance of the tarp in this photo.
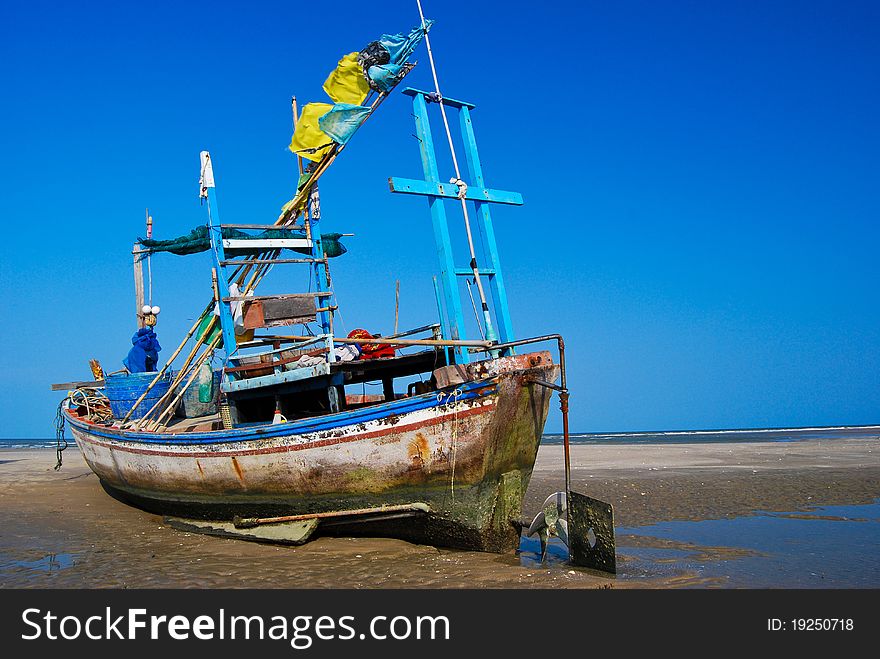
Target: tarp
(349, 88)
(346, 84)
(198, 240)
(144, 354)
(385, 76)
(343, 120)
(401, 46)
(309, 141)
(215, 331)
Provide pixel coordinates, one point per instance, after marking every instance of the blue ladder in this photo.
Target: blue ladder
(437, 192)
(303, 378)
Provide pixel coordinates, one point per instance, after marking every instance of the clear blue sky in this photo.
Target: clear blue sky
(701, 185)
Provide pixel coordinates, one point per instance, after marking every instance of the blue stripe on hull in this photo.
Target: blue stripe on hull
(467, 391)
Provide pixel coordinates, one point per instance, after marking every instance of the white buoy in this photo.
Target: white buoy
(155, 310)
(146, 309)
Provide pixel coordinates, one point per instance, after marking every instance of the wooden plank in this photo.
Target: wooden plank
(247, 261)
(467, 272)
(288, 309)
(450, 191)
(265, 243)
(271, 364)
(277, 378)
(239, 298)
(298, 345)
(265, 227)
(278, 313)
(451, 102)
(410, 332)
(138, 284)
(66, 386)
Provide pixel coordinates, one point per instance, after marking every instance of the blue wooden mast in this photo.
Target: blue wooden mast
(437, 192)
(209, 193)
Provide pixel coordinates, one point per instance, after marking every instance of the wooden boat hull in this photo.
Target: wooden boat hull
(466, 450)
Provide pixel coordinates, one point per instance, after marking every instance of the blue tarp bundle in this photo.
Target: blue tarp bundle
(144, 354)
(385, 76)
(343, 119)
(401, 46)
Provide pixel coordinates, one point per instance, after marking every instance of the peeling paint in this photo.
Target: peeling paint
(391, 460)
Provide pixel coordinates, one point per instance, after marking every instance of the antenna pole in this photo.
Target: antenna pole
(150, 256)
(295, 111)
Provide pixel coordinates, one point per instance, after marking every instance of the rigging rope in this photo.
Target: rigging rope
(97, 409)
(462, 187)
(60, 441)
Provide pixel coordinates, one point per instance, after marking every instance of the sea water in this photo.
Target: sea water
(718, 436)
(825, 547)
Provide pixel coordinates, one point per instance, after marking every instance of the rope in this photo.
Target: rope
(453, 398)
(456, 394)
(60, 441)
(96, 403)
(462, 187)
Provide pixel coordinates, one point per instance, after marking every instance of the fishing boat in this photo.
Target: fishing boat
(277, 445)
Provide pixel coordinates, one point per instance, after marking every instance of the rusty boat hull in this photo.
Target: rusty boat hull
(466, 451)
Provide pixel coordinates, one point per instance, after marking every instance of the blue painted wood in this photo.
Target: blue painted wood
(450, 102)
(475, 192)
(297, 386)
(440, 315)
(453, 321)
(444, 398)
(227, 325)
(319, 268)
(279, 377)
(481, 196)
(467, 272)
(487, 232)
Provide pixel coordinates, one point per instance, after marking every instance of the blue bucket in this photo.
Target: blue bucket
(123, 390)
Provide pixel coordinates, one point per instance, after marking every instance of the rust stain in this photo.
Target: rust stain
(237, 468)
(418, 451)
(199, 465)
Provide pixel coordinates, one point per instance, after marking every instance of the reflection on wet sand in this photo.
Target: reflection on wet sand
(686, 517)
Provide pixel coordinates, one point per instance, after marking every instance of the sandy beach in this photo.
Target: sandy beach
(60, 529)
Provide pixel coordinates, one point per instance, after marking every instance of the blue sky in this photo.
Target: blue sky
(701, 187)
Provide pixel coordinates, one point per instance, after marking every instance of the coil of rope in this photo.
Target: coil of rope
(95, 402)
(60, 441)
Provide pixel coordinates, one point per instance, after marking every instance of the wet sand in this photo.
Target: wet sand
(60, 529)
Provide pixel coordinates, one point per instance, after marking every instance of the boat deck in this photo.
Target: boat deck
(385, 370)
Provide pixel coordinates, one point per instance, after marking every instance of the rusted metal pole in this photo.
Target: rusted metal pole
(563, 407)
(563, 402)
(392, 342)
(396, 304)
(250, 522)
